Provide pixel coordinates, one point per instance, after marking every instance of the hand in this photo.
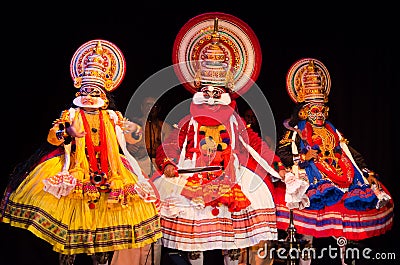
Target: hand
(132, 148)
(130, 127)
(282, 173)
(72, 131)
(311, 154)
(170, 171)
(372, 180)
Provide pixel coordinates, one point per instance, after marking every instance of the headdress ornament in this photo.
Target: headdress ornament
(308, 81)
(98, 63)
(217, 49)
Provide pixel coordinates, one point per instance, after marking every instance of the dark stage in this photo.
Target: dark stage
(359, 48)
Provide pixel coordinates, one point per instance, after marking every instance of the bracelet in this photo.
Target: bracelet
(60, 134)
(296, 159)
(138, 130)
(136, 135)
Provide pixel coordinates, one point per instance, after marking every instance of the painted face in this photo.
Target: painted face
(89, 97)
(317, 114)
(212, 95)
(211, 92)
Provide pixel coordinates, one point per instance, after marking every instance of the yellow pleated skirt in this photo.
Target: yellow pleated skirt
(70, 225)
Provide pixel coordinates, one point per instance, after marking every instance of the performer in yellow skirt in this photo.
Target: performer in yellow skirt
(87, 194)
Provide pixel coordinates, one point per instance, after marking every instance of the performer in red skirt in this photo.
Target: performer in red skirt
(211, 160)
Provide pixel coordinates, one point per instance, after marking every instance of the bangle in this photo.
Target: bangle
(60, 134)
(136, 135)
(296, 159)
(62, 130)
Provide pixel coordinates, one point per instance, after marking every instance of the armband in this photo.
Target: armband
(61, 133)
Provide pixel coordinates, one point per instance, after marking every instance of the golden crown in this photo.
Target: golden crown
(308, 80)
(93, 73)
(214, 69)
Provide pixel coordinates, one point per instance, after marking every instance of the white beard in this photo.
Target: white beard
(78, 102)
(198, 98)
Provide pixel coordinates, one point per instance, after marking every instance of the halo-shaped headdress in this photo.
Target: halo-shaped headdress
(308, 80)
(107, 68)
(196, 42)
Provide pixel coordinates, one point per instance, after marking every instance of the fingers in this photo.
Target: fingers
(311, 154)
(132, 147)
(71, 130)
(170, 171)
(282, 173)
(378, 184)
(130, 127)
(372, 180)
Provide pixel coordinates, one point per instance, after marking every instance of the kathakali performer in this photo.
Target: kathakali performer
(217, 173)
(330, 190)
(87, 194)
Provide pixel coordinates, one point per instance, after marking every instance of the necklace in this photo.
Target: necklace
(101, 148)
(335, 166)
(328, 141)
(95, 111)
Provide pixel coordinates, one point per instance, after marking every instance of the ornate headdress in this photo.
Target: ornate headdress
(214, 69)
(308, 81)
(217, 49)
(98, 64)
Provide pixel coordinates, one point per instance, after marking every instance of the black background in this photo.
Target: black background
(357, 44)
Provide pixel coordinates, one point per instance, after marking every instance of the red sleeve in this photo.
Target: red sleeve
(263, 149)
(170, 149)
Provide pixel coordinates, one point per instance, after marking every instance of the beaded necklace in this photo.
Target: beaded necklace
(335, 165)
